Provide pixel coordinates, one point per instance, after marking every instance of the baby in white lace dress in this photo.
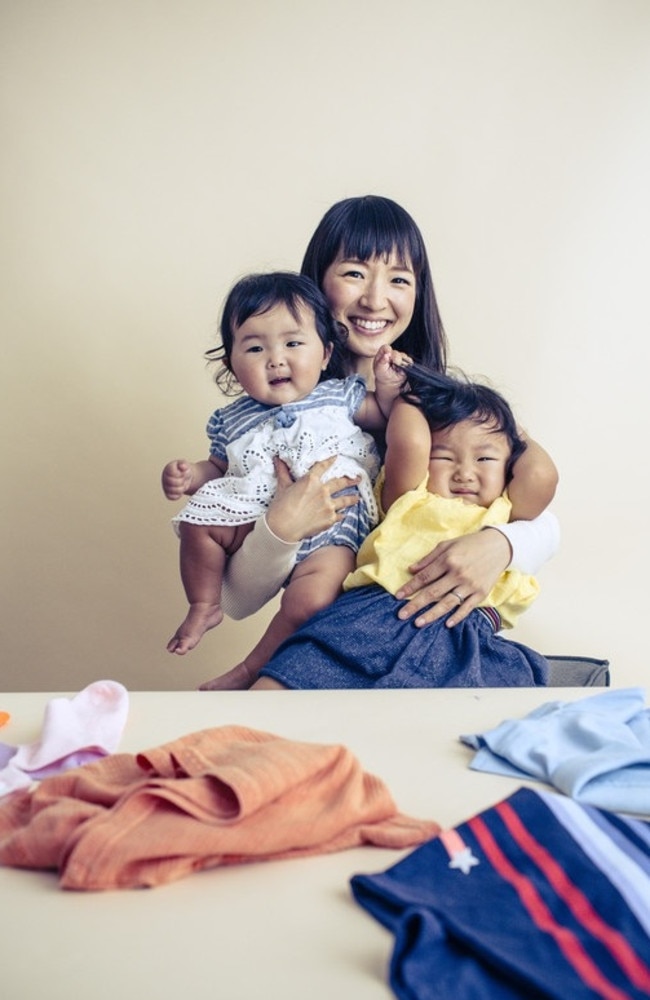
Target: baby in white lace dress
(282, 347)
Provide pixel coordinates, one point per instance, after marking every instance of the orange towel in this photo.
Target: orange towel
(215, 797)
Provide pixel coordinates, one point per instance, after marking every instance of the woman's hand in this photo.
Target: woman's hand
(458, 575)
(307, 506)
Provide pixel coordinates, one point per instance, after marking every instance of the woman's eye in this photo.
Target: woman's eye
(401, 281)
(352, 274)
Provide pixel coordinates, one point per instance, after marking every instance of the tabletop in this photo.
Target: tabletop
(281, 930)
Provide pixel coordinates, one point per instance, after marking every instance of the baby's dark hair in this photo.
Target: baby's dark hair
(256, 294)
(446, 400)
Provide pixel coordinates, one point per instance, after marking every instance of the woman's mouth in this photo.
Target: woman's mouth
(369, 326)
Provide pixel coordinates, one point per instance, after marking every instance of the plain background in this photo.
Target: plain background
(155, 151)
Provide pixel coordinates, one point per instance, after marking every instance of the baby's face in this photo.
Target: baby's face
(468, 461)
(276, 358)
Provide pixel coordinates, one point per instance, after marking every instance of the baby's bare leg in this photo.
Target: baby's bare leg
(268, 684)
(315, 583)
(203, 553)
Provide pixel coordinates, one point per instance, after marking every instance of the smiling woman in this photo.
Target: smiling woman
(368, 256)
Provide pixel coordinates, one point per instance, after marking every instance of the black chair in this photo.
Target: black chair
(578, 671)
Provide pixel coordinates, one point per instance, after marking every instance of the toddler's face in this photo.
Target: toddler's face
(276, 359)
(468, 461)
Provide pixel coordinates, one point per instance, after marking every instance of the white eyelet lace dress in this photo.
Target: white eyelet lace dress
(247, 435)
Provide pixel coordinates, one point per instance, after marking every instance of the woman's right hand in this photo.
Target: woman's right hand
(306, 506)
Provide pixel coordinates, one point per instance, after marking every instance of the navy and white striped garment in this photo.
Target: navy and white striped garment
(536, 897)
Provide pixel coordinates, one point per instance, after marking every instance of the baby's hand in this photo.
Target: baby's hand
(177, 478)
(388, 367)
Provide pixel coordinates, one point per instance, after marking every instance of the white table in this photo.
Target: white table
(282, 930)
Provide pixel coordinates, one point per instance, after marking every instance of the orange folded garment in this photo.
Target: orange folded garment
(216, 797)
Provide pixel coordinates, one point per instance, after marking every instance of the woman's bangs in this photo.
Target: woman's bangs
(372, 236)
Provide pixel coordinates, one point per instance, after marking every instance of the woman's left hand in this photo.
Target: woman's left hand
(458, 575)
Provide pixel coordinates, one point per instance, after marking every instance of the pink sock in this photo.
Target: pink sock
(75, 731)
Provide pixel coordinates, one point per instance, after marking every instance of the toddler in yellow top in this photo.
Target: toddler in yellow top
(451, 448)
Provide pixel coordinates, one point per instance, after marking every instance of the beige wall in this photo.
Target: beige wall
(153, 151)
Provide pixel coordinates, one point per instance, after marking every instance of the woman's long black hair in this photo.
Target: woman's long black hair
(372, 226)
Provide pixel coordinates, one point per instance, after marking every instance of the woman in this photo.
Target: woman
(368, 256)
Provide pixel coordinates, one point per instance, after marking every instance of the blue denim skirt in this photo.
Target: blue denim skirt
(359, 642)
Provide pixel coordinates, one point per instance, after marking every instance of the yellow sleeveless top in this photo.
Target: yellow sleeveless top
(414, 525)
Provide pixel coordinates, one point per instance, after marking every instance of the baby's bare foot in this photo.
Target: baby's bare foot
(200, 618)
(239, 678)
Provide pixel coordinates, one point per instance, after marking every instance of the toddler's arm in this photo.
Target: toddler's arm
(533, 483)
(182, 478)
(408, 447)
(388, 369)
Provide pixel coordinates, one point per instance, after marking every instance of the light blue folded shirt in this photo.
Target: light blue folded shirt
(595, 750)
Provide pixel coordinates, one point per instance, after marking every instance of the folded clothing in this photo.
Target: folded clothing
(596, 749)
(214, 797)
(537, 896)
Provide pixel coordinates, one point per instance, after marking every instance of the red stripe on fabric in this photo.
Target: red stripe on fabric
(568, 943)
(631, 964)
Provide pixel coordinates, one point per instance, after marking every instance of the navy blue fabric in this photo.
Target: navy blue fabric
(359, 642)
(476, 936)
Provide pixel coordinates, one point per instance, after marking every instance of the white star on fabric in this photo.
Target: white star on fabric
(464, 861)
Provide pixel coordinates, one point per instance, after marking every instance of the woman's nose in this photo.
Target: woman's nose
(374, 295)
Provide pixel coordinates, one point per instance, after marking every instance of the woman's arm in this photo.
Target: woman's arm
(255, 573)
(532, 543)
(471, 565)
(533, 482)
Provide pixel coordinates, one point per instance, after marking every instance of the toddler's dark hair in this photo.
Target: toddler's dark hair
(256, 294)
(446, 400)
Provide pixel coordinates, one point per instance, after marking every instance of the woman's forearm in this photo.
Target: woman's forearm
(533, 543)
(255, 573)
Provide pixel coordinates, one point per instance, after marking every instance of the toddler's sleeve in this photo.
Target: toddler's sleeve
(355, 392)
(215, 429)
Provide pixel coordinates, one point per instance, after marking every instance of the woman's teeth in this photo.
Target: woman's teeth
(371, 325)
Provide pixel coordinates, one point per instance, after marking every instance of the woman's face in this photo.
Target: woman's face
(374, 299)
